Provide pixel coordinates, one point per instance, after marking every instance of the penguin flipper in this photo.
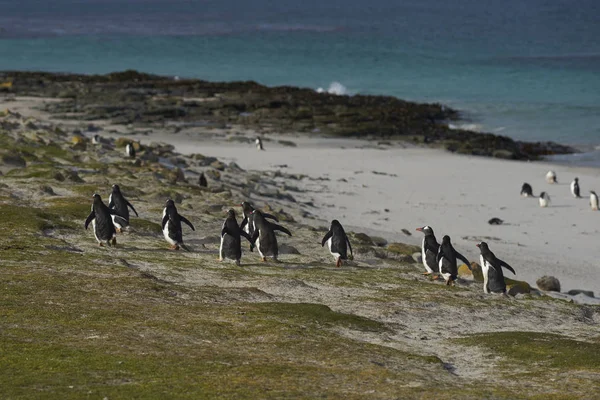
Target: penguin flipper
(118, 217)
(244, 222)
(224, 231)
(164, 221)
(184, 219)
(327, 236)
(271, 217)
(281, 228)
(89, 219)
(349, 246)
(111, 203)
(462, 258)
(253, 239)
(245, 234)
(133, 209)
(508, 267)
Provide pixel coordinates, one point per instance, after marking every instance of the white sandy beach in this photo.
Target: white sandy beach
(456, 195)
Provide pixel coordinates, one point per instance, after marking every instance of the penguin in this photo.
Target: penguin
(337, 240)
(117, 202)
(575, 188)
(593, 200)
(493, 278)
(446, 260)
(429, 250)
(544, 199)
(551, 177)
(259, 144)
(264, 236)
(130, 150)
(247, 224)
(526, 190)
(96, 139)
(171, 226)
(102, 223)
(231, 239)
(202, 180)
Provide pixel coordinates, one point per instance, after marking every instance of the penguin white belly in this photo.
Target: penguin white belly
(258, 247)
(94, 229)
(444, 274)
(573, 189)
(335, 255)
(544, 201)
(166, 234)
(221, 255)
(424, 256)
(594, 202)
(115, 223)
(485, 267)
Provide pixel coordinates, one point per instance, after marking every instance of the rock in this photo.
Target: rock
(213, 174)
(406, 232)
(287, 249)
(78, 143)
(218, 165)
(418, 257)
(234, 166)
(47, 190)
(465, 272)
(58, 176)
(73, 176)
(505, 154)
(514, 287)
(379, 241)
(477, 272)
(362, 238)
(403, 248)
(203, 161)
(575, 292)
(177, 175)
(14, 160)
(548, 284)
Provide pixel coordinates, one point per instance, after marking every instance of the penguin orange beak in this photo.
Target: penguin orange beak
(478, 245)
(420, 229)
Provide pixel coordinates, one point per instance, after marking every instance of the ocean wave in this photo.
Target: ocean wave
(296, 28)
(467, 127)
(334, 88)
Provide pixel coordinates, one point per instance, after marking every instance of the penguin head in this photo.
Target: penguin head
(97, 199)
(427, 230)
(592, 192)
(446, 239)
(576, 179)
(247, 207)
(483, 246)
(230, 213)
(170, 203)
(335, 223)
(543, 195)
(116, 189)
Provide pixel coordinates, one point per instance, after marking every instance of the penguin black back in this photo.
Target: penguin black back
(429, 250)
(264, 235)
(118, 202)
(102, 222)
(337, 241)
(247, 224)
(493, 277)
(202, 180)
(526, 190)
(231, 233)
(171, 225)
(446, 259)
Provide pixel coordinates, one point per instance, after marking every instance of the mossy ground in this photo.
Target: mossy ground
(140, 321)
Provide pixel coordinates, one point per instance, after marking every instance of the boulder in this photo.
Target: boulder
(514, 287)
(218, 165)
(548, 284)
(14, 160)
(403, 248)
(575, 292)
(418, 257)
(476, 271)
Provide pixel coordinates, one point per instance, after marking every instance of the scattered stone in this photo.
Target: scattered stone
(287, 249)
(213, 174)
(548, 284)
(234, 166)
(379, 241)
(218, 165)
(417, 257)
(403, 248)
(14, 160)
(73, 176)
(362, 238)
(58, 176)
(575, 292)
(514, 287)
(476, 271)
(47, 190)
(406, 232)
(177, 175)
(495, 221)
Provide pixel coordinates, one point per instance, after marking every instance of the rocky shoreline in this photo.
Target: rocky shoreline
(139, 99)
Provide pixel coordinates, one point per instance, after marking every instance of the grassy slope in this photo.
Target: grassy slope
(140, 321)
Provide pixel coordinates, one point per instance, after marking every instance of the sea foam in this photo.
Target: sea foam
(334, 88)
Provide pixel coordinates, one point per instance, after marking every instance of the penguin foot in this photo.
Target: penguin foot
(264, 259)
(174, 247)
(220, 259)
(338, 263)
(101, 244)
(434, 277)
(114, 242)
(119, 230)
(426, 273)
(237, 262)
(448, 282)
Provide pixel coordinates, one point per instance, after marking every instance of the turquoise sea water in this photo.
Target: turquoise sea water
(528, 69)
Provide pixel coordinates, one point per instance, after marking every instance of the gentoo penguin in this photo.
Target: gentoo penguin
(446, 260)
(101, 220)
(171, 226)
(231, 239)
(247, 225)
(130, 150)
(429, 250)
(544, 199)
(575, 188)
(96, 139)
(264, 235)
(259, 144)
(526, 190)
(551, 177)
(493, 278)
(338, 242)
(593, 200)
(120, 204)
(202, 180)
